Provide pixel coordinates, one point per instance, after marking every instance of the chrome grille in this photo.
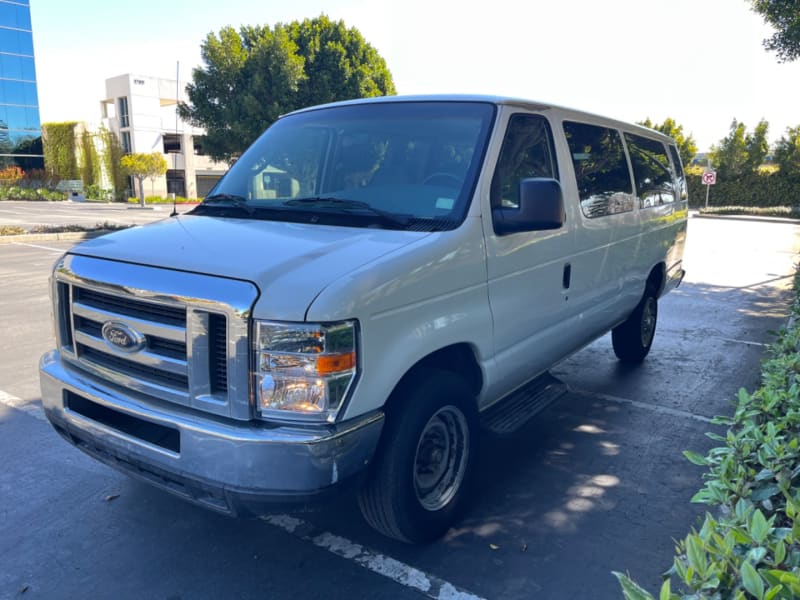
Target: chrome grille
(130, 307)
(194, 352)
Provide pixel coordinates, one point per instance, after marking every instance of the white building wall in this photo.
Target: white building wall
(152, 112)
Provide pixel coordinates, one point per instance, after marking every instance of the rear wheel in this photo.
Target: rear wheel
(633, 338)
(425, 461)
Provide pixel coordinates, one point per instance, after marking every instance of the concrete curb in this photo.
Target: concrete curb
(51, 237)
(756, 218)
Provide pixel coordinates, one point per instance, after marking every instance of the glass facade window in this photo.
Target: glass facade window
(122, 105)
(20, 126)
(125, 142)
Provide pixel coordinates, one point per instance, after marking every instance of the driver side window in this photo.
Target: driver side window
(527, 151)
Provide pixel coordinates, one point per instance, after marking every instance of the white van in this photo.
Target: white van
(369, 284)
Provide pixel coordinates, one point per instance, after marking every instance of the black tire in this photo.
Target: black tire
(414, 487)
(633, 338)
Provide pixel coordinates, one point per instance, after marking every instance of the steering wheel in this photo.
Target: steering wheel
(445, 179)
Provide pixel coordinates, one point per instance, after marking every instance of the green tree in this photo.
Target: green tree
(141, 166)
(687, 148)
(729, 157)
(253, 76)
(757, 146)
(784, 17)
(787, 152)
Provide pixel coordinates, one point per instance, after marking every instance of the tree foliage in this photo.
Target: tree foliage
(687, 147)
(111, 156)
(90, 160)
(59, 144)
(787, 152)
(784, 16)
(141, 165)
(757, 146)
(740, 152)
(252, 76)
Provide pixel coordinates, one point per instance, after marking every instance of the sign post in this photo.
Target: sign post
(709, 179)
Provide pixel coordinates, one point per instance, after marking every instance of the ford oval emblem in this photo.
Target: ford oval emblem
(121, 337)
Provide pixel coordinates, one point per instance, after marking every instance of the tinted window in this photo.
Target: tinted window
(651, 170)
(527, 152)
(601, 170)
(416, 160)
(676, 161)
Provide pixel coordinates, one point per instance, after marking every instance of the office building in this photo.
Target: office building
(20, 128)
(142, 111)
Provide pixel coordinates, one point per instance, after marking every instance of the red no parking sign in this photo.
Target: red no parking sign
(709, 179)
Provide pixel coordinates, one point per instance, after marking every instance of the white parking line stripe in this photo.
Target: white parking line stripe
(674, 412)
(399, 572)
(748, 343)
(38, 246)
(18, 404)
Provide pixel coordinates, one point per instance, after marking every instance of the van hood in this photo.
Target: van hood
(290, 263)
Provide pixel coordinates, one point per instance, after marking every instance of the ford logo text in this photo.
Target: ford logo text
(121, 337)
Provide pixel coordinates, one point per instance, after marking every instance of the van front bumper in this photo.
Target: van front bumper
(232, 467)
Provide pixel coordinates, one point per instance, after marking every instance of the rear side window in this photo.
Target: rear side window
(651, 170)
(676, 161)
(527, 152)
(601, 170)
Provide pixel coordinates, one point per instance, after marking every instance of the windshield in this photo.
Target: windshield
(406, 165)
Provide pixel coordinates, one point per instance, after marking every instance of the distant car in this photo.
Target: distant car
(368, 284)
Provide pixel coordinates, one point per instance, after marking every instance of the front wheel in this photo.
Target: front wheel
(425, 461)
(633, 338)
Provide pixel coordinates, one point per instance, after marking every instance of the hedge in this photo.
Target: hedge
(756, 189)
(750, 546)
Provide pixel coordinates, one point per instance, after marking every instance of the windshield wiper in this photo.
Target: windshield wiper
(350, 206)
(228, 200)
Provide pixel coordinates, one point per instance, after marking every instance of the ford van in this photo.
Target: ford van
(371, 284)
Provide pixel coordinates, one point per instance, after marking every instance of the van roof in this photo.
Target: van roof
(568, 113)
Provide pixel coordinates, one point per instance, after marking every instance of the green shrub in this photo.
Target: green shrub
(95, 192)
(755, 189)
(789, 212)
(13, 192)
(752, 549)
(160, 200)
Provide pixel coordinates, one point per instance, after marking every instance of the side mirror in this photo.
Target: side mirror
(541, 207)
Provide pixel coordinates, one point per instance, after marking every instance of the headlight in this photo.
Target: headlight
(303, 371)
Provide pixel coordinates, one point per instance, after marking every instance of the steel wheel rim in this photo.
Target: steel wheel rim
(648, 321)
(440, 460)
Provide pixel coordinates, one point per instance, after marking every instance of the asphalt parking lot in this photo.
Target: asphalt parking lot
(87, 214)
(595, 483)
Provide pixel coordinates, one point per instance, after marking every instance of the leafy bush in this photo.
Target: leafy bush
(754, 189)
(16, 192)
(752, 549)
(160, 200)
(789, 212)
(95, 192)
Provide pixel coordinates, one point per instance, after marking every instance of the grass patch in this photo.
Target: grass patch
(15, 230)
(160, 200)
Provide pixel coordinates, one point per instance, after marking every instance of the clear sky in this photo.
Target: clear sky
(698, 61)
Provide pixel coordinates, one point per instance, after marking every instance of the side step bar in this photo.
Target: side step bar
(513, 412)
